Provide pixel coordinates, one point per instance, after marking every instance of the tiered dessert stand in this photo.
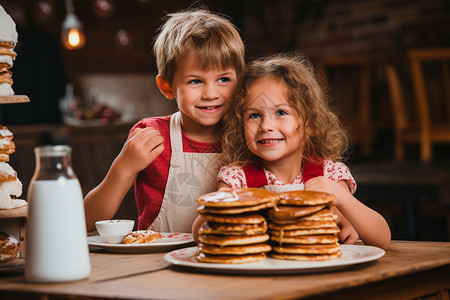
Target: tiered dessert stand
(13, 221)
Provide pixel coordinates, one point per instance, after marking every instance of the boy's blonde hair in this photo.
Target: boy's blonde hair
(323, 134)
(210, 36)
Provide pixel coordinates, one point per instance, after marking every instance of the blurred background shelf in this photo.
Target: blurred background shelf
(14, 99)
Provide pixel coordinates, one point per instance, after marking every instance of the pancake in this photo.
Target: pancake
(303, 225)
(222, 240)
(306, 257)
(305, 198)
(202, 209)
(283, 214)
(306, 239)
(307, 249)
(242, 197)
(234, 250)
(325, 214)
(230, 259)
(248, 218)
(297, 232)
(232, 229)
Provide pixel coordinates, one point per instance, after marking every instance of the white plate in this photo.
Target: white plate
(169, 241)
(351, 255)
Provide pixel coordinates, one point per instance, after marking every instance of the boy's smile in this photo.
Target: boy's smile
(271, 125)
(202, 95)
(210, 109)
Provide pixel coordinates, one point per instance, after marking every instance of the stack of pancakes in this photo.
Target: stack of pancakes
(302, 227)
(235, 230)
(8, 40)
(10, 185)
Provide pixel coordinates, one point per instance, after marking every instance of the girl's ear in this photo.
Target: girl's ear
(164, 87)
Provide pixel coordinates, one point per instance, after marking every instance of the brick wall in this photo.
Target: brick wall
(322, 27)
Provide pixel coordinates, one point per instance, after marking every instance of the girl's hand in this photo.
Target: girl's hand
(141, 148)
(323, 184)
(348, 234)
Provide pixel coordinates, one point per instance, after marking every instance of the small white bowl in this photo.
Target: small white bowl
(113, 231)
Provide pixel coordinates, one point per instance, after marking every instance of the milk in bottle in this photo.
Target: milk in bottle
(56, 247)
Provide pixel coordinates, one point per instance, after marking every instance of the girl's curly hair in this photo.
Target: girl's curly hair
(327, 138)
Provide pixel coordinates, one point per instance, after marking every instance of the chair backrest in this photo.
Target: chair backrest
(431, 82)
(397, 94)
(348, 77)
(421, 99)
(348, 80)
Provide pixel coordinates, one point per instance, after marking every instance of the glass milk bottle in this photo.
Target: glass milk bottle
(56, 247)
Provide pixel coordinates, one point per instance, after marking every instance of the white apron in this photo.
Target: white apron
(284, 188)
(190, 176)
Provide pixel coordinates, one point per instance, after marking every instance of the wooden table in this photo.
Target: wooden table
(408, 270)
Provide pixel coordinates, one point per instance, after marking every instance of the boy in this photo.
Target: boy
(173, 159)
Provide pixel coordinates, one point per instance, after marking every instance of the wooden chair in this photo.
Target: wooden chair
(428, 121)
(349, 81)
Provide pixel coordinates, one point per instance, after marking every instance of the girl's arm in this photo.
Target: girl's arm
(371, 227)
(140, 149)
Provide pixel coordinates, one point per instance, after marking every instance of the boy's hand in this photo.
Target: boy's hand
(141, 148)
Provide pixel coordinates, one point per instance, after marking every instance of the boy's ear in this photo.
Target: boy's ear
(164, 87)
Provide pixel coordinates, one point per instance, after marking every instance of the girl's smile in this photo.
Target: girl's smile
(270, 142)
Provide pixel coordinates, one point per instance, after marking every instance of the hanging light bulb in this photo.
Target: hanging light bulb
(72, 35)
(45, 9)
(104, 8)
(122, 38)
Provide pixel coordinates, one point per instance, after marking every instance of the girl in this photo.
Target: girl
(280, 134)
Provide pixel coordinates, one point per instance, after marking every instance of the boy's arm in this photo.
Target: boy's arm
(200, 219)
(140, 149)
(104, 200)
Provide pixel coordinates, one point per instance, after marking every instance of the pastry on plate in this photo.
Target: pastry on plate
(142, 237)
(9, 247)
(10, 188)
